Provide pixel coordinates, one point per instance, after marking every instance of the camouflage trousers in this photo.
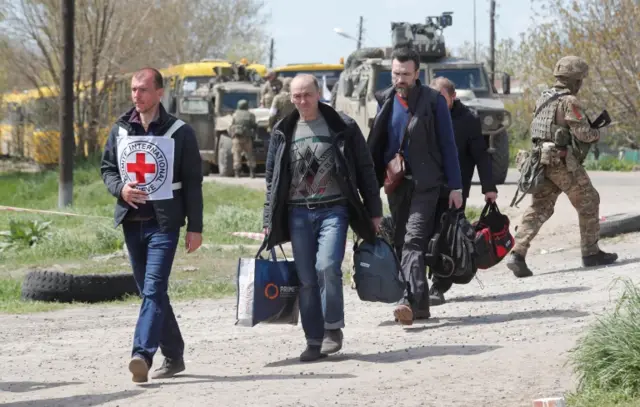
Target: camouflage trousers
(239, 145)
(582, 195)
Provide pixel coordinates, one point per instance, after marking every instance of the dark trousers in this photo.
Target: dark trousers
(151, 253)
(413, 213)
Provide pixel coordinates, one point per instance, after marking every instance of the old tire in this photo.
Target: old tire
(47, 285)
(500, 159)
(225, 156)
(55, 286)
(619, 223)
(93, 288)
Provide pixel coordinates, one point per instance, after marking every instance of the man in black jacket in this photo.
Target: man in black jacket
(413, 120)
(318, 165)
(151, 164)
(472, 152)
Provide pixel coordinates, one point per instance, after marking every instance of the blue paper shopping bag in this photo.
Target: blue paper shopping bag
(267, 290)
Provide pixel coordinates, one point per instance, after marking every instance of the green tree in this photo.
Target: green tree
(604, 33)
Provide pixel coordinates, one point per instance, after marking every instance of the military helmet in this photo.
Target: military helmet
(243, 104)
(571, 67)
(286, 84)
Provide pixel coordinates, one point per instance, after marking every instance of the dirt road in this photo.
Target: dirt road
(505, 343)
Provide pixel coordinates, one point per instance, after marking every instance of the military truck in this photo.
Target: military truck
(207, 103)
(368, 71)
(227, 89)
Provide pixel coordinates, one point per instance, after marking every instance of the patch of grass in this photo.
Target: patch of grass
(609, 163)
(607, 358)
(226, 209)
(208, 273)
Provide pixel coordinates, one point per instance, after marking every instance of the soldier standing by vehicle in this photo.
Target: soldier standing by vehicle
(561, 136)
(243, 129)
(270, 89)
(282, 104)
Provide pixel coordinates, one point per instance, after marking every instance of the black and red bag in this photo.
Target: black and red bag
(493, 239)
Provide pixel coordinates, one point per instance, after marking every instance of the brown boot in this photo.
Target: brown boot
(403, 313)
(518, 266)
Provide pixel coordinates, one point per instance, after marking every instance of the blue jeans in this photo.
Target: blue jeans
(151, 253)
(318, 238)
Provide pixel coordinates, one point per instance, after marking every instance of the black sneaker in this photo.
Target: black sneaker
(311, 353)
(169, 368)
(599, 259)
(332, 341)
(518, 266)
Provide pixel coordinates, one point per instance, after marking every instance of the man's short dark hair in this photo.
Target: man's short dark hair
(158, 81)
(404, 54)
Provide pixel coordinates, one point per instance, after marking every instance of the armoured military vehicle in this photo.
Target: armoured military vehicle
(368, 71)
(208, 105)
(227, 88)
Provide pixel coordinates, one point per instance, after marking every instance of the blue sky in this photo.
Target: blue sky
(303, 29)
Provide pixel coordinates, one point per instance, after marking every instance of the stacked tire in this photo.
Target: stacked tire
(55, 286)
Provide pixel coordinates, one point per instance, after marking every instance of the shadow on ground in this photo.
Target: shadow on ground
(521, 295)
(23, 387)
(621, 262)
(399, 355)
(86, 400)
(247, 378)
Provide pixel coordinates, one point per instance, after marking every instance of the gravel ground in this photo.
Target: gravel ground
(503, 341)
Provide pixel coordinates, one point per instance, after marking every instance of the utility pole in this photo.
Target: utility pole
(492, 40)
(271, 53)
(360, 32)
(65, 186)
(475, 44)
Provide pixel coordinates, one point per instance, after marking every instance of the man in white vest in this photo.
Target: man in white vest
(151, 164)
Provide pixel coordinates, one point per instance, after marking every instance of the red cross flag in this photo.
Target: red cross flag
(147, 160)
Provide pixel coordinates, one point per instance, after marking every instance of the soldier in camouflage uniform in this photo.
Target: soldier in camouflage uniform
(243, 129)
(270, 89)
(282, 104)
(563, 135)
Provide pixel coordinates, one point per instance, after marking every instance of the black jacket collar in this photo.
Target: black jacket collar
(161, 124)
(333, 119)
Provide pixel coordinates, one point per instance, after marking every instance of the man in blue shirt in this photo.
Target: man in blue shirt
(431, 162)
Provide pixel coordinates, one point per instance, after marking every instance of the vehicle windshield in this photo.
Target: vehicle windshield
(464, 78)
(192, 84)
(383, 80)
(194, 106)
(230, 100)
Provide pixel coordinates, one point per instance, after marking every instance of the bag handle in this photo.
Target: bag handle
(263, 246)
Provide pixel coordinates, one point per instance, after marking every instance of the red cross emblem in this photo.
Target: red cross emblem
(141, 168)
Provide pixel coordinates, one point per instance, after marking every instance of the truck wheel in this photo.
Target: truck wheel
(500, 159)
(225, 156)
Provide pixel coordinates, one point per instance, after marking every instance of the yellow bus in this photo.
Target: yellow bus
(29, 120)
(329, 71)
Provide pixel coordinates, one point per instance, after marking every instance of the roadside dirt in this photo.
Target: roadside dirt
(504, 343)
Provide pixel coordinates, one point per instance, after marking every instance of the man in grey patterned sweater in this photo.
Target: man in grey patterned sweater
(318, 165)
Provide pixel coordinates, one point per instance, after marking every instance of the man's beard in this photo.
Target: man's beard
(404, 90)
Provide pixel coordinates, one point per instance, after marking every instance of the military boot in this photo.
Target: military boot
(599, 259)
(518, 266)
